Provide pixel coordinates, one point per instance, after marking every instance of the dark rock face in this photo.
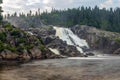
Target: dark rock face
(51, 41)
(90, 54)
(117, 51)
(63, 48)
(104, 41)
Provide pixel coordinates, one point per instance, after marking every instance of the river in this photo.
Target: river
(91, 68)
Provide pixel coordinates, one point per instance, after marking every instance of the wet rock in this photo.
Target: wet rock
(64, 49)
(117, 51)
(98, 39)
(89, 54)
(48, 40)
(85, 55)
(51, 41)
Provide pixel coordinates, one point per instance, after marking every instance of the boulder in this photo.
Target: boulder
(25, 56)
(36, 53)
(8, 55)
(89, 54)
(117, 51)
(48, 40)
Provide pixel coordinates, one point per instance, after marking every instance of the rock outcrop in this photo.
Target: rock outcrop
(117, 51)
(107, 42)
(7, 54)
(47, 34)
(16, 44)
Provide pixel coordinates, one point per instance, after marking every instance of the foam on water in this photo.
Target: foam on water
(95, 58)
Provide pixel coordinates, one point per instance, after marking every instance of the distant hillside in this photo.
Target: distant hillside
(25, 22)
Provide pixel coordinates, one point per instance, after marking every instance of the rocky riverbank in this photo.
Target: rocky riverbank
(36, 43)
(18, 45)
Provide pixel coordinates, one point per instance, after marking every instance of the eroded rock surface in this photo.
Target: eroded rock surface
(105, 41)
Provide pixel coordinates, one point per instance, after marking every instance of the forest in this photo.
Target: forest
(105, 19)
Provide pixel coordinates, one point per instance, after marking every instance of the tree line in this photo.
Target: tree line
(106, 19)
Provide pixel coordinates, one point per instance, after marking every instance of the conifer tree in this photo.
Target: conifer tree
(1, 12)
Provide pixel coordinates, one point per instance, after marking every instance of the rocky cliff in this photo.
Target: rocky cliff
(104, 41)
(16, 44)
(51, 41)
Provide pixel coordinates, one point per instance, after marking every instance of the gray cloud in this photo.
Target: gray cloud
(11, 6)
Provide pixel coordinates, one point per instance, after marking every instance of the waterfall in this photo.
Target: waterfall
(55, 51)
(67, 35)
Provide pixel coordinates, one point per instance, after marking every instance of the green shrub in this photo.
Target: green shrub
(4, 46)
(22, 40)
(117, 40)
(3, 36)
(41, 41)
(1, 46)
(15, 33)
(12, 49)
(29, 46)
(20, 49)
(9, 27)
(42, 48)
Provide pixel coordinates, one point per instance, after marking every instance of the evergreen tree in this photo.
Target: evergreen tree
(1, 12)
(106, 19)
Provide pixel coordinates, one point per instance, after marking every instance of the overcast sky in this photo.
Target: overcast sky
(11, 6)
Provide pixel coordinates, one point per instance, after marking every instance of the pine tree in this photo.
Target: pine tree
(1, 12)
(106, 19)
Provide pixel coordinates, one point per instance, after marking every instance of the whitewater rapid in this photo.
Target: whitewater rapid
(67, 35)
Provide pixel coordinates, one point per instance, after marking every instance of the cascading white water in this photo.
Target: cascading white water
(67, 35)
(55, 51)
